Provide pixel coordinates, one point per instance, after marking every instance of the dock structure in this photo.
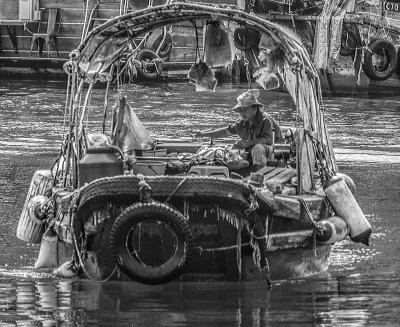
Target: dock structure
(22, 50)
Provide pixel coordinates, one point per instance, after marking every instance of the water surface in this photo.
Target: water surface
(361, 287)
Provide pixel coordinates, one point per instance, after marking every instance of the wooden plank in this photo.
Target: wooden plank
(284, 175)
(60, 4)
(291, 240)
(107, 13)
(33, 59)
(188, 24)
(273, 173)
(265, 170)
(24, 43)
(275, 184)
(182, 54)
(180, 40)
(68, 15)
(289, 207)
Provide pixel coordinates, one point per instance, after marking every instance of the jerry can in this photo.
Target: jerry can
(99, 162)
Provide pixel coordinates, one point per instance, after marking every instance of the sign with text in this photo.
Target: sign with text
(392, 6)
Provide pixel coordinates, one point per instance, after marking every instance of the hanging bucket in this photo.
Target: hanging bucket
(149, 168)
(345, 206)
(31, 225)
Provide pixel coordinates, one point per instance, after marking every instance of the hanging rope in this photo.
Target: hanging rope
(248, 76)
(85, 23)
(197, 41)
(79, 255)
(317, 226)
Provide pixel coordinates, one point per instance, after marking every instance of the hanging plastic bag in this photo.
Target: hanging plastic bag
(202, 76)
(266, 79)
(128, 132)
(217, 45)
(271, 57)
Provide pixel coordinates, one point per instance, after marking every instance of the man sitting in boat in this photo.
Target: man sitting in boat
(257, 130)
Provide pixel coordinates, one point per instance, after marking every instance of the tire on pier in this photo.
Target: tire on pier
(154, 40)
(147, 56)
(384, 49)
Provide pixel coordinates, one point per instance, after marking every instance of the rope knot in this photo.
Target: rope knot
(144, 190)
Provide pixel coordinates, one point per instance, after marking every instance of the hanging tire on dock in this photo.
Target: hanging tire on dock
(154, 40)
(380, 59)
(349, 43)
(246, 38)
(149, 60)
(150, 242)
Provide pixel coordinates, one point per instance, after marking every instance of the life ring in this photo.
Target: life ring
(128, 259)
(349, 43)
(386, 51)
(154, 40)
(246, 38)
(147, 56)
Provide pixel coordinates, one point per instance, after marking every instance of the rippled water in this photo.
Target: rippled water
(361, 288)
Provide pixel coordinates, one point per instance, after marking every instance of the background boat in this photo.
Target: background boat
(364, 22)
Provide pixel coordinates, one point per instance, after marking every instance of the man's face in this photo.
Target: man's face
(247, 113)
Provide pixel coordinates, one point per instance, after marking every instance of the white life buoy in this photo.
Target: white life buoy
(345, 206)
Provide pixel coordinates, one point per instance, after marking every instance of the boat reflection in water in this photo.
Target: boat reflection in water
(72, 303)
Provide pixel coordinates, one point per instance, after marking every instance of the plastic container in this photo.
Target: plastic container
(149, 167)
(98, 163)
(216, 171)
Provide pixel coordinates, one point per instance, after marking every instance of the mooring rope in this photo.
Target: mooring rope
(318, 227)
(82, 265)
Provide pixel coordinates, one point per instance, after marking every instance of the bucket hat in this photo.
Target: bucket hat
(247, 99)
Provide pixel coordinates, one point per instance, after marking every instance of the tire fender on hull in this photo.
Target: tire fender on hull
(375, 47)
(130, 263)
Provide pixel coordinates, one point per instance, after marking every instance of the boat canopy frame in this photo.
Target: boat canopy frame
(105, 45)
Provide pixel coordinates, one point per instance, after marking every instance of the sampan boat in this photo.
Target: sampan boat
(119, 204)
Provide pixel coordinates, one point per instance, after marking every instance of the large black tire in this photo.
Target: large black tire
(266, 203)
(147, 56)
(385, 48)
(131, 265)
(154, 41)
(349, 43)
(246, 38)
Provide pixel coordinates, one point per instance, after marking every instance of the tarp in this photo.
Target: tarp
(328, 31)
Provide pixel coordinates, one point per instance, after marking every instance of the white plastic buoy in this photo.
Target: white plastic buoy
(48, 254)
(335, 230)
(31, 223)
(345, 206)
